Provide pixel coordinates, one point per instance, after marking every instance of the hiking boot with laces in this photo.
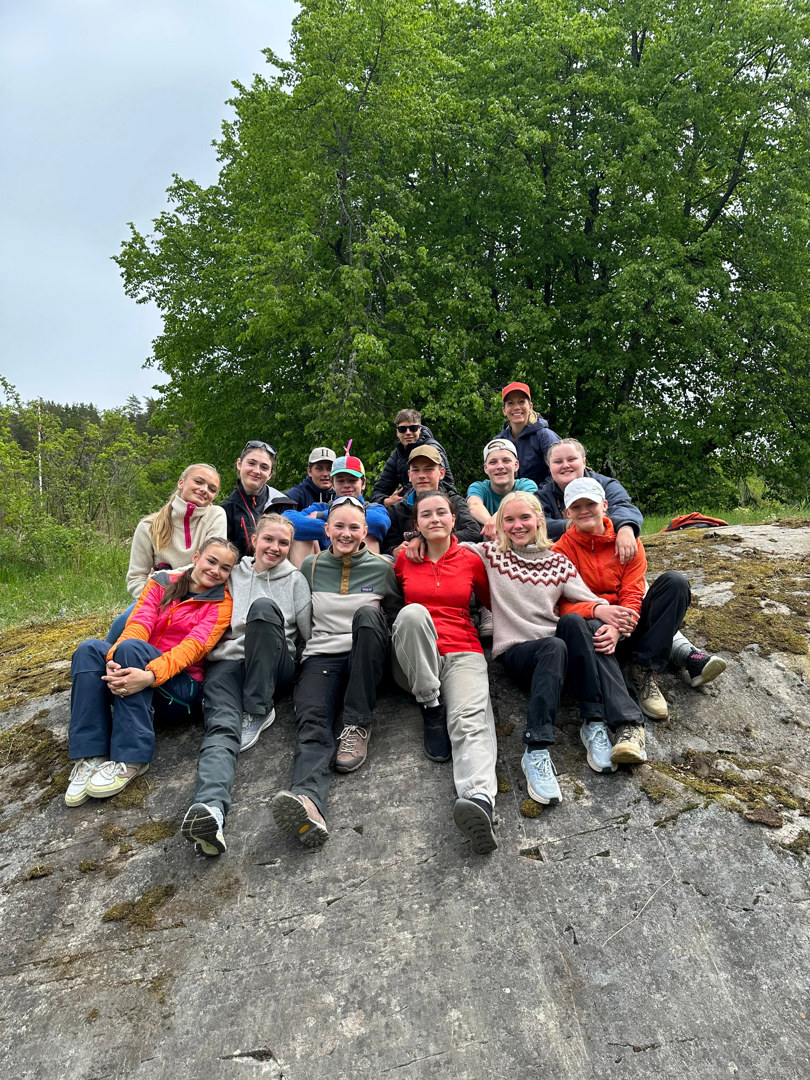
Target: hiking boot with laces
(650, 699)
(83, 769)
(629, 747)
(701, 668)
(113, 776)
(252, 727)
(299, 816)
(202, 825)
(352, 748)
(541, 778)
(595, 738)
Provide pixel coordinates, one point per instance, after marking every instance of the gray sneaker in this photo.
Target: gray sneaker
(253, 726)
(202, 825)
(595, 737)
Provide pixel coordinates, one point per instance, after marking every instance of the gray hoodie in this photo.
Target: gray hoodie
(285, 585)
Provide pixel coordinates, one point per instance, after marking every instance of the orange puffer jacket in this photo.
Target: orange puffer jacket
(599, 567)
(185, 631)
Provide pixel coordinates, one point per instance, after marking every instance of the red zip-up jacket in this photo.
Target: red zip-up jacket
(185, 631)
(599, 567)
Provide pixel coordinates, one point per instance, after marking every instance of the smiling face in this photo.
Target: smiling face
(520, 523)
(346, 529)
(565, 464)
(199, 485)
(255, 468)
(346, 484)
(211, 567)
(501, 468)
(424, 474)
(411, 433)
(271, 545)
(516, 409)
(587, 515)
(435, 519)
(321, 475)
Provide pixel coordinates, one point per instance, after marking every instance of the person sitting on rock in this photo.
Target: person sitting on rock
(437, 656)
(590, 544)
(252, 494)
(155, 669)
(567, 462)
(355, 598)
(484, 496)
(348, 478)
(425, 473)
(529, 432)
(394, 483)
(312, 496)
(252, 663)
(545, 620)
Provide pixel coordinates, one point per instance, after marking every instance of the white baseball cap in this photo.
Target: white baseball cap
(499, 444)
(583, 488)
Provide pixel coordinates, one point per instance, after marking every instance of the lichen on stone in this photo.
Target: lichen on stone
(141, 912)
(33, 759)
(37, 872)
(530, 809)
(154, 831)
(504, 784)
(35, 660)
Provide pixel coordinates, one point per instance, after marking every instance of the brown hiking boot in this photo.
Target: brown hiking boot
(299, 816)
(629, 747)
(651, 701)
(352, 748)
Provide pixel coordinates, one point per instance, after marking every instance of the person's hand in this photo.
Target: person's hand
(621, 618)
(112, 667)
(626, 546)
(129, 680)
(392, 500)
(415, 550)
(398, 549)
(489, 530)
(605, 639)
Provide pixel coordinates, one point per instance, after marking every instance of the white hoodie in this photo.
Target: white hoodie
(283, 584)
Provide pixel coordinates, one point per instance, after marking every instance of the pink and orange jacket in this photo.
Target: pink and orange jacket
(185, 631)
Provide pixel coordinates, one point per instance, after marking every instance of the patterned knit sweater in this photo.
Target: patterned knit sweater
(529, 589)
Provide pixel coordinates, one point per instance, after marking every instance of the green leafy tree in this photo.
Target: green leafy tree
(429, 200)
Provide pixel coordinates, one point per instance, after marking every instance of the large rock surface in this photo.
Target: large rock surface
(644, 927)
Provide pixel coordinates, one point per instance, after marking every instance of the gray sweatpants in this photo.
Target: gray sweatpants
(462, 681)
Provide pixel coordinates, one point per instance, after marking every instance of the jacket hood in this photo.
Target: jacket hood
(164, 578)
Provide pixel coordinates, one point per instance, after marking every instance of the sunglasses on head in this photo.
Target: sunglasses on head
(402, 428)
(341, 500)
(257, 444)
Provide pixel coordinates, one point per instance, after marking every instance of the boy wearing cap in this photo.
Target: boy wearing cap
(252, 494)
(393, 483)
(425, 473)
(316, 487)
(529, 432)
(657, 611)
(501, 468)
(348, 477)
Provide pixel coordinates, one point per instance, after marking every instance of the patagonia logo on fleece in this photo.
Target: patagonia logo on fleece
(366, 588)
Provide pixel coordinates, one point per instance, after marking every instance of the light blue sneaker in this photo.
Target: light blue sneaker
(541, 777)
(595, 737)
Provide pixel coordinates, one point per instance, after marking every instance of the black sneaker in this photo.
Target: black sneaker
(702, 668)
(436, 739)
(473, 817)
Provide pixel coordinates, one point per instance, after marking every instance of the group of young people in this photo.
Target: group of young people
(319, 586)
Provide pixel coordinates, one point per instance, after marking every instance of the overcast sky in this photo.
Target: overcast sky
(100, 102)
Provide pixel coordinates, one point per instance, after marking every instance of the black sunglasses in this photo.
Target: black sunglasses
(257, 444)
(343, 499)
(402, 428)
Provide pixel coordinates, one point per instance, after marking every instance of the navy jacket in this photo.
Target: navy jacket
(306, 493)
(532, 444)
(621, 510)
(395, 470)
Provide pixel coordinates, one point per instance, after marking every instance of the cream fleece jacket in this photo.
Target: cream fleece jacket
(192, 527)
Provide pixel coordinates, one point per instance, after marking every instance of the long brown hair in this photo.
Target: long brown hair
(161, 528)
(178, 588)
(429, 495)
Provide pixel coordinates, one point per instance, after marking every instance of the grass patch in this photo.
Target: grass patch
(37, 872)
(786, 515)
(799, 845)
(92, 583)
(154, 831)
(35, 659)
(700, 772)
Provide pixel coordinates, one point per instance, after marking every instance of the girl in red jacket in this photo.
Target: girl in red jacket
(438, 657)
(156, 665)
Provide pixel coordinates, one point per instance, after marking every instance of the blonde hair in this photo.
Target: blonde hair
(577, 445)
(273, 518)
(161, 528)
(503, 543)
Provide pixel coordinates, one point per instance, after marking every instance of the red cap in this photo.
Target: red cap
(516, 386)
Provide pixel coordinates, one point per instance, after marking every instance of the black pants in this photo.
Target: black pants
(662, 612)
(596, 679)
(235, 686)
(325, 681)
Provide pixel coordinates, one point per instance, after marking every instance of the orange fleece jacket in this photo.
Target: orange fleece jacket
(599, 567)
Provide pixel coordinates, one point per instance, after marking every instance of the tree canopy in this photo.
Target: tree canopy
(431, 198)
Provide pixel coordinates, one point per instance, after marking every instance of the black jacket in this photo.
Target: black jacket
(401, 514)
(243, 511)
(395, 470)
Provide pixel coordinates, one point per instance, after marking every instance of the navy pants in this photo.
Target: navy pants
(121, 728)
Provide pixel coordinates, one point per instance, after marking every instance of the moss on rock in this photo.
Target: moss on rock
(154, 831)
(141, 912)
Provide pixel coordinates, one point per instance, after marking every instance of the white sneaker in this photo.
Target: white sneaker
(83, 769)
(113, 776)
